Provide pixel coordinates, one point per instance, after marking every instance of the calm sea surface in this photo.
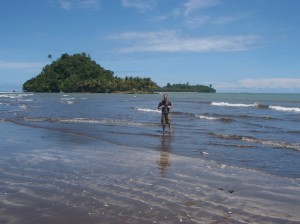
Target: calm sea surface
(249, 131)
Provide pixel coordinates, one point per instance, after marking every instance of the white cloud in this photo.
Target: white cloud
(170, 41)
(79, 4)
(192, 5)
(261, 85)
(19, 65)
(205, 19)
(140, 5)
(272, 83)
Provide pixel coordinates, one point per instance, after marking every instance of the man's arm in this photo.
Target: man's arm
(159, 105)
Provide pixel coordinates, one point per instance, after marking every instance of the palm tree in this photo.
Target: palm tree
(50, 57)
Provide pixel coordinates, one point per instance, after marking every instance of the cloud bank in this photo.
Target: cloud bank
(171, 41)
(261, 85)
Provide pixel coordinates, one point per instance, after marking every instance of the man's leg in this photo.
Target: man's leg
(169, 123)
(163, 123)
(170, 128)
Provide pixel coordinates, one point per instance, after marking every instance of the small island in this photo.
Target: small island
(186, 88)
(79, 73)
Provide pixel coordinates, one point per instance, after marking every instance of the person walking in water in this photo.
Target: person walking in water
(165, 105)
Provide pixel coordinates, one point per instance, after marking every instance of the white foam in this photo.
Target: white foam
(223, 166)
(15, 95)
(69, 98)
(225, 104)
(103, 121)
(273, 143)
(25, 100)
(82, 120)
(147, 110)
(287, 109)
(23, 107)
(207, 118)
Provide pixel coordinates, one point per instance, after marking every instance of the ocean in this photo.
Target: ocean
(102, 158)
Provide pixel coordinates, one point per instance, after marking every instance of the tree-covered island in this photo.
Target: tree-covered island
(79, 73)
(186, 88)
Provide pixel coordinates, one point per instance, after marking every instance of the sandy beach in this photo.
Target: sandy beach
(97, 182)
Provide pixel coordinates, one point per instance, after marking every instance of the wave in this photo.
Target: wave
(207, 118)
(294, 132)
(179, 113)
(67, 100)
(23, 107)
(233, 104)
(260, 106)
(287, 109)
(147, 110)
(230, 145)
(176, 113)
(87, 121)
(277, 144)
(15, 95)
(247, 116)
(232, 117)
(214, 118)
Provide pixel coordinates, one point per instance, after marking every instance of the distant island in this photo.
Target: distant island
(186, 88)
(79, 73)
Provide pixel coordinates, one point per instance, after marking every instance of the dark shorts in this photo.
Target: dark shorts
(166, 118)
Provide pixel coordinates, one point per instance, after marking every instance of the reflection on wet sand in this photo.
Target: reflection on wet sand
(163, 162)
(99, 182)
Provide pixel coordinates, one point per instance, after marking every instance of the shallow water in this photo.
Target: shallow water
(99, 158)
(254, 131)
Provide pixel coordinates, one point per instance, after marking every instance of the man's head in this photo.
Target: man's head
(165, 96)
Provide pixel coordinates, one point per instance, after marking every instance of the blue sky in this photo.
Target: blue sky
(235, 45)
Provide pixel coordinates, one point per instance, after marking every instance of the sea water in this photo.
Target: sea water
(75, 149)
(255, 131)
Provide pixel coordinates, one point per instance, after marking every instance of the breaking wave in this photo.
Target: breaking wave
(14, 95)
(225, 104)
(147, 110)
(261, 106)
(272, 143)
(204, 117)
(287, 109)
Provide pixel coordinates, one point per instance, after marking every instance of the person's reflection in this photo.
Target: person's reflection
(163, 162)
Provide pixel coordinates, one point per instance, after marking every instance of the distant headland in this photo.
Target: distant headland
(79, 73)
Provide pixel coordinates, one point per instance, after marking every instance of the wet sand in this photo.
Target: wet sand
(49, 176)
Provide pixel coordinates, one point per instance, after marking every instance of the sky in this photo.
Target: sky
(233, 45)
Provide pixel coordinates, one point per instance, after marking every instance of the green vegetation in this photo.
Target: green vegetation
(186, 88)
(78, 73)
